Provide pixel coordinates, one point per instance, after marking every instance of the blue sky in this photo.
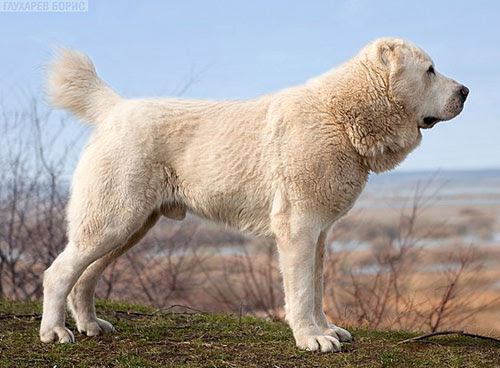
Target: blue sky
(242, 49)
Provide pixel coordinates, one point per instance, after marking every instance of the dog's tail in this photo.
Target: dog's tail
(73, 85)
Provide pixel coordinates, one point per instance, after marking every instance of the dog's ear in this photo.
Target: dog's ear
(388, 53)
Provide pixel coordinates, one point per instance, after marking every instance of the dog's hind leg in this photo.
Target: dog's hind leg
(81, 298)
(64, 272)
(104, 213)
(91, 244)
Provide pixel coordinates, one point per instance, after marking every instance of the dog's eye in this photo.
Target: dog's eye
(431, 70)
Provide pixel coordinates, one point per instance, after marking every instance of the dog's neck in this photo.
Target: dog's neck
(378, 127)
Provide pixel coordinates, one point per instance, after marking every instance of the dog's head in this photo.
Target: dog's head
(397, 91)
(414, 81)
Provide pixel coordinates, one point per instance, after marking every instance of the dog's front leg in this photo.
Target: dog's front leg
(297, 266)
(296, 239)
(319, 314)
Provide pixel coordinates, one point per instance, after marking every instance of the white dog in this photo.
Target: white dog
(285, 166)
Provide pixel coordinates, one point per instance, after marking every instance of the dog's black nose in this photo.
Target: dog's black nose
(464, 92)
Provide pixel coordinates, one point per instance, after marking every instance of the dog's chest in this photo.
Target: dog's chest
(338, 187)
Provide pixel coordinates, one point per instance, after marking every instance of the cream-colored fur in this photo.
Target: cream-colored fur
(285, 166)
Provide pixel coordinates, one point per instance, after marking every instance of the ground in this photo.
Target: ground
(168, 339)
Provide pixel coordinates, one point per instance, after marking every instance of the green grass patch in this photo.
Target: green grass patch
(211, 340)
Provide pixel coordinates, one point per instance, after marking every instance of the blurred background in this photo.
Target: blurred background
(419, 251)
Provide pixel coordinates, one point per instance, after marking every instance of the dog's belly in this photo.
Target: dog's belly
(226, 181)
(235, 209)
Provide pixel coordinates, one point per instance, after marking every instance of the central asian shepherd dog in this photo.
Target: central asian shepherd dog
(284, 166)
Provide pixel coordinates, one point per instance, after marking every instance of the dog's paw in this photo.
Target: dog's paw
(323, 343)
(95, 327)
(339, 333)
(61, 334)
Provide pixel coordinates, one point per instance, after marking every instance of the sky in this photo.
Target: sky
(242, 49)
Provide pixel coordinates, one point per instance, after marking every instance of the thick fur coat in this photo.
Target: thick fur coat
(285, 165)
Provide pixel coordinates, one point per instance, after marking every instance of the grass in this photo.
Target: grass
(209, 340)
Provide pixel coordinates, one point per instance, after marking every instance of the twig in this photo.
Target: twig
(440, 333)
(8, 316)
(131, 313)
(178, 306)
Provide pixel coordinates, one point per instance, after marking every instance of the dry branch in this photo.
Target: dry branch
(442, 333)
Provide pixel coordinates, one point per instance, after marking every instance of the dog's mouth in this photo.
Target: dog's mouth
(428, 122)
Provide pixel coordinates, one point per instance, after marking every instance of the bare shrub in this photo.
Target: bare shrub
(396, 283)
(247, 281)
(32, 200)
(457, 292)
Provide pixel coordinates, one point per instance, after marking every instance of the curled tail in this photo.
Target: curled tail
(74, 85)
